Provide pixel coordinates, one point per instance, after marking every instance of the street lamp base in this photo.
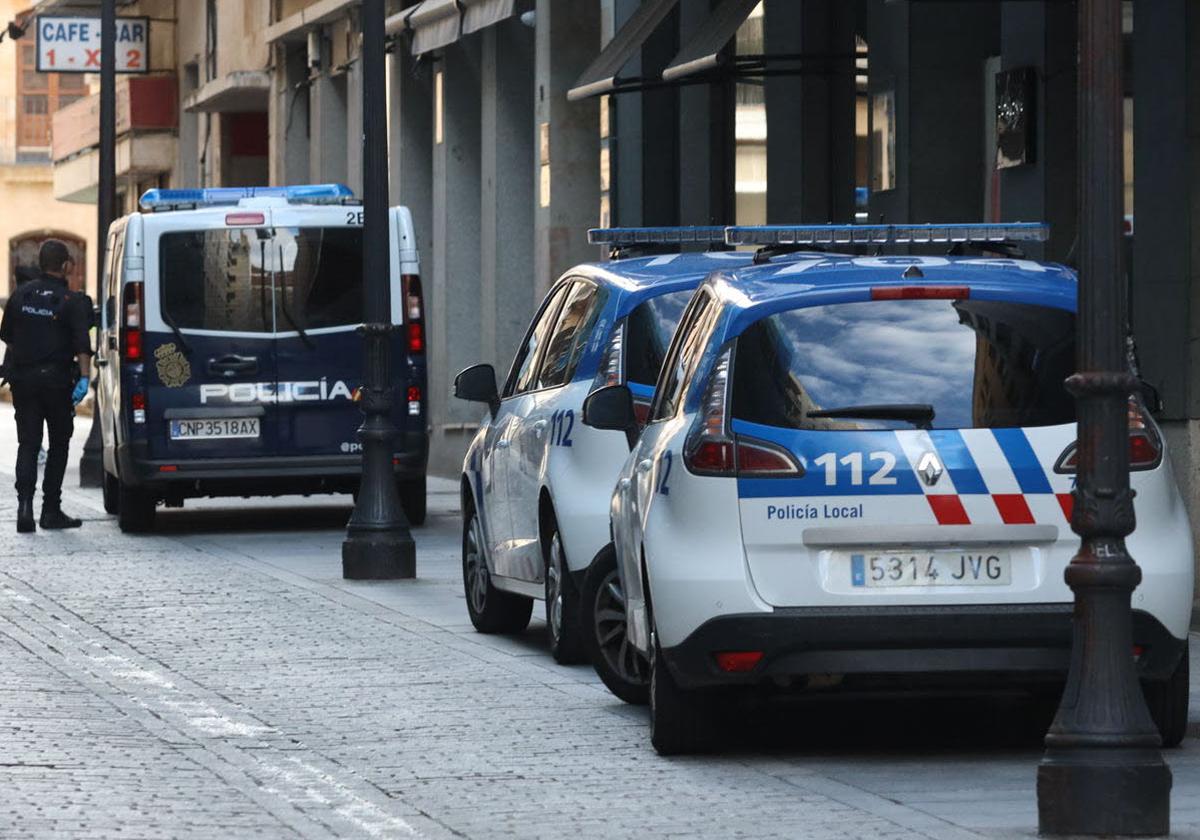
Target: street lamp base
(1104, 792)
(379, 556)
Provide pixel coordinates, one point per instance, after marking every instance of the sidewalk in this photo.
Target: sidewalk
(220, 679)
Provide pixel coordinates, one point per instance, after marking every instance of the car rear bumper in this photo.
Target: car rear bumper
(263, 475)
(1033, 640)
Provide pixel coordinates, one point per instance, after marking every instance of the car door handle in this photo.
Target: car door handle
(540, 426)
(232, 365)
(503, 444)
(645, 466)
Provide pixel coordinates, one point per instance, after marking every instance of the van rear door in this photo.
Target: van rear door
(209, 343)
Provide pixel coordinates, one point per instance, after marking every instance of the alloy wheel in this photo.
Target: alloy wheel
(612, 635)
(477, 570)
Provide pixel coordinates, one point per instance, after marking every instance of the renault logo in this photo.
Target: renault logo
(930, 469)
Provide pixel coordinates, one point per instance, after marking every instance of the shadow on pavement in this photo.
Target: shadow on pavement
(253, 518)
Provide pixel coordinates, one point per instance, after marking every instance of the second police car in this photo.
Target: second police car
(229, 363)
(536, 482)
(862, 468)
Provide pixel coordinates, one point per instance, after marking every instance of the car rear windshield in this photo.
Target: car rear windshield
(261, 279)
(649, 332)
(977, 364)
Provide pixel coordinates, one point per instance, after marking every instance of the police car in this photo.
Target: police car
(536, 483)
(229, 362)
(860, 468)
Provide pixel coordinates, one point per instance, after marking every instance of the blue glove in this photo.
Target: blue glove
(81, 389)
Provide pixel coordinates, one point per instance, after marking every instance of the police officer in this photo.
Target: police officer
(46, 329)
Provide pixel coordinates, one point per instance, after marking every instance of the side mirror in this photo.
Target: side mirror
(478, 384)
(611, 408)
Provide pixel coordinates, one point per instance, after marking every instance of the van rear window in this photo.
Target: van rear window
(261, 279)
(976, 364)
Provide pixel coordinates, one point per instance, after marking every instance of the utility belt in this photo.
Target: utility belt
(51, 374)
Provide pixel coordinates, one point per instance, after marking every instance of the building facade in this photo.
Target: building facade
(29, 213)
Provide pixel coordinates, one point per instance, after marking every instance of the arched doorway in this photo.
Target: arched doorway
(23, 251)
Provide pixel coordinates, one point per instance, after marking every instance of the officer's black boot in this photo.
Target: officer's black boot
(25, 516)
(53, 518)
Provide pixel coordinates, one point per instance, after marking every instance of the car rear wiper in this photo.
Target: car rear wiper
(170, 322)
(919, 414)
(287, 312)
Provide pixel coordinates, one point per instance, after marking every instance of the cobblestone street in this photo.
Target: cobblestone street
(220, 679)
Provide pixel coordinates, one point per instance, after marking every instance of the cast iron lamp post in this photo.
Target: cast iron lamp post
(1102, 773)
(91, 467)
(378, 544)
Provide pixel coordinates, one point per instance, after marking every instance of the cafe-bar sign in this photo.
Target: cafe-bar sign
(72, 44)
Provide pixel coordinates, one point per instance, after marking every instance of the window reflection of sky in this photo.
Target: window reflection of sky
(885, 352)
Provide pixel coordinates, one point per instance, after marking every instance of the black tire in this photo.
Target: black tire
(620, 665)
(136, 510)
(1168, 702)
(681, 722)
(491, 610)
(112, 494)
(562, 603)
(412, 498)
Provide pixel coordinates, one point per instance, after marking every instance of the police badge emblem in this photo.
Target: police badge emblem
(173, 367)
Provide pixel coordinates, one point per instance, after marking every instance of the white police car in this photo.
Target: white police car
(229, 359)
(536, 483)
(862, 468)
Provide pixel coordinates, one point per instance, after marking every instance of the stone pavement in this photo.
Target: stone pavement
(220, 679)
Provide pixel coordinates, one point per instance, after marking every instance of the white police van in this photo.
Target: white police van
(536, 483)
(858, 469)
(229, 361)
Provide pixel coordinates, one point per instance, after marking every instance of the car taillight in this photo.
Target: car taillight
(712, 450)
(414, 312)
(414, 401)
(1145, 443)
(709, 449)
(133, 323)
(612, 363)
(137, 402)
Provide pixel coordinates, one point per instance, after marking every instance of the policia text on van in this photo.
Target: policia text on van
(230, 361)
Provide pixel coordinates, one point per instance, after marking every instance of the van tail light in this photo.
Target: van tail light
(414, 401)
(414, 312)
(137, 402)
(1145, 443)
(132, 301)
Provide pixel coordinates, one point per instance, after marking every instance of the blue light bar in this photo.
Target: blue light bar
(625, 237)
(223, 196)
(822, 235)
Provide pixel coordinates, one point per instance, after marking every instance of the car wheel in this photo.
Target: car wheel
(1168, 702)
(681, 722)
(112, 494)
(562, 605)
(491, 610)
(412, 498)
(620, 665)
(135, 514)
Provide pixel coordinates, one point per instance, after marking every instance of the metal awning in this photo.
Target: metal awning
(480, 14)
(237, 92)
(602, 76)
(705, 50)
(434, 24)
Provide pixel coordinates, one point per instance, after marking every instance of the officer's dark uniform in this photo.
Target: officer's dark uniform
(45, 327)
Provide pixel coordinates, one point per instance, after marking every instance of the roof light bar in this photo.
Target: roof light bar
(220, 196)
(768, 235)
(625, 237)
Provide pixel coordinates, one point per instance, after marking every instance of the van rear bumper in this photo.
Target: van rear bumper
(1031, 641)
(262, 475)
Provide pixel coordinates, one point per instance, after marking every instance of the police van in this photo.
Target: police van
(229, 362)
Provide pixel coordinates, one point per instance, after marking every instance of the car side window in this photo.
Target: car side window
(524, 367)
(569, 339)
(685, 350)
